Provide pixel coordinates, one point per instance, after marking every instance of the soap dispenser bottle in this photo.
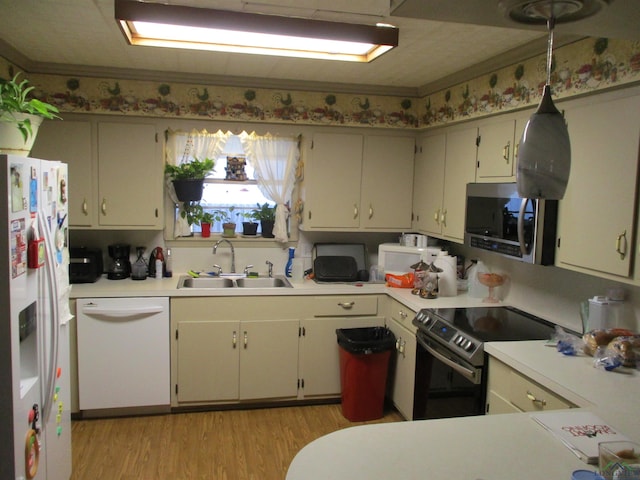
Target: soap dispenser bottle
(289, 266)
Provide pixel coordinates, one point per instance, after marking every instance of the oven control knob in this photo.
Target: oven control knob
(468, 346)
(426, 320)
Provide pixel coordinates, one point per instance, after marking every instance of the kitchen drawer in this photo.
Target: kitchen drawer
(529, 396)
(345, 305)
(401, 314)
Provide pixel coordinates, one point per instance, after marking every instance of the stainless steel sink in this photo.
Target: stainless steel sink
(243, 282)
(205, 282)
(263, 282)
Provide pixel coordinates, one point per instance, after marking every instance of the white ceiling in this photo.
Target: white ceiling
(76, 37)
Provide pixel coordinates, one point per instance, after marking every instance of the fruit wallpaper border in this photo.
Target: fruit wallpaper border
(582, 67)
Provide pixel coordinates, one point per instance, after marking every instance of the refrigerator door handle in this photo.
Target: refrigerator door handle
(52, 287)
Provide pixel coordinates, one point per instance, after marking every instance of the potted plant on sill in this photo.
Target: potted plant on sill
(266, 215)
(249, 227)
(188, 178)
(206, 219)
(20, 116)
(224, 217)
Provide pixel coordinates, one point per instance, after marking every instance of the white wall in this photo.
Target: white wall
(550, 292)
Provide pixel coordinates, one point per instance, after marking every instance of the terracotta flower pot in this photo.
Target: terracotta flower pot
(228, 230)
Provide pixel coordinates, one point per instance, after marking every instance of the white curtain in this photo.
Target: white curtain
(274, 160)
(182, 147)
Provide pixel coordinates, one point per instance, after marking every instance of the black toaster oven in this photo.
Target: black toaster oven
(85, 264)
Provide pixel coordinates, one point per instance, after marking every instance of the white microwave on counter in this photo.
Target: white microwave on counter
(397, 259)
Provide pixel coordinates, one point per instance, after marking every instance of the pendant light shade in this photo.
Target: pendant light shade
(544, 155)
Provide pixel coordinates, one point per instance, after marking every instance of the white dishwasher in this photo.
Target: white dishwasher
(123, 352)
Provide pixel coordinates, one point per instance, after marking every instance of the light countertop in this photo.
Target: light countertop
(488, 447)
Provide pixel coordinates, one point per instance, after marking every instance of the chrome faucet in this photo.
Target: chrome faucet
(270, 265)
(233, 252)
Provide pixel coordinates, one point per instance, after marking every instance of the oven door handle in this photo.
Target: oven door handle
(470, 374)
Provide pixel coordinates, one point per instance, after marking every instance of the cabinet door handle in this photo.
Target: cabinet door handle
(436, 216)
(443, 218)
(355, 211)
(370, 211)
(402, 314)
(246, 340)
(234, 341)
(505, 152)
(85, 207)
(103, 207)
(533, 398)
(516, 150)
(347, 305)
(621, 245)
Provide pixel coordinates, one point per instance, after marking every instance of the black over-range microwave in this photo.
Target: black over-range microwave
(498, 220)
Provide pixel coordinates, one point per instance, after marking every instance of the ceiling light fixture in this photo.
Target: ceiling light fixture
(544, 154)
(174, 26)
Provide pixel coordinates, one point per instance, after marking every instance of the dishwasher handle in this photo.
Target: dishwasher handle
(128, 312)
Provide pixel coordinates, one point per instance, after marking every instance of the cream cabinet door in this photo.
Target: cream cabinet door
(460, 169)
(495, 150)
(268, 359)
(70, 141)
(597, 214)
(387, 178)
(320, 354)
(403, 360)
(428, 184)
(333, 179)
(130, 175)
(208, 361)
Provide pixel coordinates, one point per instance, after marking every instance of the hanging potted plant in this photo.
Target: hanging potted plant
(224, 217)
(249, 227)
(20, 116)
(188, 178)
(267, 217)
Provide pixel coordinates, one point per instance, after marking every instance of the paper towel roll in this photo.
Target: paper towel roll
(448, 279)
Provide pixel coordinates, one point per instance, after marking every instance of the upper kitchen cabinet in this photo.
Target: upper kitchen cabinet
(498, 140)
(115, 171)
(597, 216)
(130, 176)
(428, 182)
(358, 182)
(448, 163)
(70, 142)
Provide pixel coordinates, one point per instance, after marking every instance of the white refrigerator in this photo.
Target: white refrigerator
(35, 425)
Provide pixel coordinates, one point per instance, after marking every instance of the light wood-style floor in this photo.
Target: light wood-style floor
(256, 444)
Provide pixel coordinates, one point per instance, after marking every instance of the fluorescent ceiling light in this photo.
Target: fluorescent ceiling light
(174, 26)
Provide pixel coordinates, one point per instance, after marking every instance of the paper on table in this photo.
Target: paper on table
(580, 431)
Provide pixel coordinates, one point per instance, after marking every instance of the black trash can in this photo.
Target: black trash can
(364, 363)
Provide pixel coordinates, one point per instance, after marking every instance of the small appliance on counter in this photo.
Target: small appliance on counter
(120, 264)
(85, 264)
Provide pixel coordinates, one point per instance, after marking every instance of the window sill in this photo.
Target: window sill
(254, 241)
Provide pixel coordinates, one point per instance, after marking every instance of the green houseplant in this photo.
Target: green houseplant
(188, 178)
(266, 215)
(228, 225)
(20, 116)
(249, 227)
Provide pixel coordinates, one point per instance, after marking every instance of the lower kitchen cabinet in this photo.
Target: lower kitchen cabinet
(319, 351)
(403, 360)
(229, 349)
(509, 391)
(267, 348)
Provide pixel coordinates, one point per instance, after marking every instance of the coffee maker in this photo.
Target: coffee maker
(120, 264)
